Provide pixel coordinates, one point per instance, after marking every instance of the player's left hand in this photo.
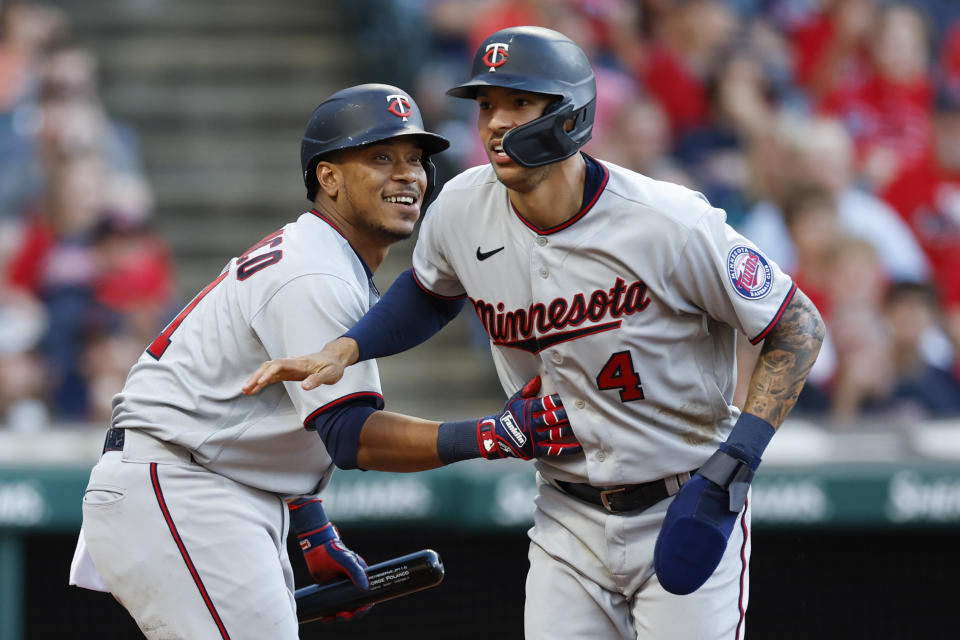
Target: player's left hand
(323, 367)
(528, 427)
(701, 517)
(327, 557)
(331, 560)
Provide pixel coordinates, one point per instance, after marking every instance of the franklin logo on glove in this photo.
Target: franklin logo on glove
(528, 427)
(511, 426)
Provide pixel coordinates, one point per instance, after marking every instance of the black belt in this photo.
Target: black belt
(114, 440)
(628, 497)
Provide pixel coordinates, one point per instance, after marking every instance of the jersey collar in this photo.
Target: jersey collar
(366, 269)
(593, 186)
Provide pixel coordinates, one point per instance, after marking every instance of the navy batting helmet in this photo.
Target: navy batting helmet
(361, 115)
(543, 61)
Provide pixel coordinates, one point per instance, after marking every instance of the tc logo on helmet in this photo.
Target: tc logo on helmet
(399, 106)
(496, 55)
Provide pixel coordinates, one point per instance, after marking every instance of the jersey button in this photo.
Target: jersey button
(543, 272)
(541, 241)
(579, 404)
(557, 358)
(601, 456)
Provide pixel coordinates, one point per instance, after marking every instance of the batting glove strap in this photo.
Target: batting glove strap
(307, 514)
(732, 470)
(492, 447)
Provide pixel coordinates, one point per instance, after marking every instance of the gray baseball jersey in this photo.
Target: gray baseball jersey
(292, 292)
(630, 308)
(210, 512)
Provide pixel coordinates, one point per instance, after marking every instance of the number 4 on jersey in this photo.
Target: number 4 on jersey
(619, 373)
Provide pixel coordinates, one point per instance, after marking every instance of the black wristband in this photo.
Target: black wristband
(457, 441)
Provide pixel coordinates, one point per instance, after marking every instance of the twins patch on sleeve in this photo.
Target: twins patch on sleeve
(749, 272)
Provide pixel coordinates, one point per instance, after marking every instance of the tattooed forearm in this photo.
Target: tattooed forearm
(785, 360)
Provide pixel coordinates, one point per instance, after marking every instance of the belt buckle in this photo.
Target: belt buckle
(606, 501)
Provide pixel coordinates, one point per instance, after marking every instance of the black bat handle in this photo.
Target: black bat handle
(391, 579)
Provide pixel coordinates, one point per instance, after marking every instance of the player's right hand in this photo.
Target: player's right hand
(528, 427)
(323, 367)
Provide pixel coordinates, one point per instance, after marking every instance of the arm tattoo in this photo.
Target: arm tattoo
(785, 360)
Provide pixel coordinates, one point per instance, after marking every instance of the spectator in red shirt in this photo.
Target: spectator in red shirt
(890, 116)
(830, 47)
(930, 201)
(928, 198)
(677, 61)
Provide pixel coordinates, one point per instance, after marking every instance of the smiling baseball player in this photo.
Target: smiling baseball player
(185, 517)
(626, 294)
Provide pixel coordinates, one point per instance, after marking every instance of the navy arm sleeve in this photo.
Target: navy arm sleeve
(404, 317)
(339, 427)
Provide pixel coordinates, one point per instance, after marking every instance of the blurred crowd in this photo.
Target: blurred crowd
(85, 282)
(828, 130)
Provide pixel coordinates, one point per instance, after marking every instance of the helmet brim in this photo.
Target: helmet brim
(431, 143)
(470, 89)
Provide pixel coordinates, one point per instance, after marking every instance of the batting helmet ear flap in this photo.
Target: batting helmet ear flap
(549, 139)
(431, 170)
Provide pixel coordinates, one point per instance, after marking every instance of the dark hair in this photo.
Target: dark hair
(800, 198)
(911, 292)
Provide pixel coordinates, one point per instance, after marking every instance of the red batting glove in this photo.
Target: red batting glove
(327, 558)
(527, 427)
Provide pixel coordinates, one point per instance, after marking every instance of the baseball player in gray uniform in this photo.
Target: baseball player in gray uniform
(186, 515)
(626, 295)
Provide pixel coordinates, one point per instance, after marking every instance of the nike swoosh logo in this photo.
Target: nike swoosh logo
(483, 255)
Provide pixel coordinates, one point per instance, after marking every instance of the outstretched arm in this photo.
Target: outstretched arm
(395, 442)
(405, 316)
(360, 436)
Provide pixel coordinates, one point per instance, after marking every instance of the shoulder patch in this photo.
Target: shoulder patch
(749, 272)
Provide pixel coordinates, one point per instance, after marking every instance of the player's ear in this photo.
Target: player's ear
(330, 178)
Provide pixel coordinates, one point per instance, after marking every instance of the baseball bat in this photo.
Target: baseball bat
(390, 579)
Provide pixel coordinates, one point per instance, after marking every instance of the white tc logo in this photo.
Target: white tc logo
(496, 55)
(399, 106)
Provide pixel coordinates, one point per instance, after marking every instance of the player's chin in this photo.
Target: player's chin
(397, 215)
(398, 229)
(511, 176)
(407, 219)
